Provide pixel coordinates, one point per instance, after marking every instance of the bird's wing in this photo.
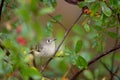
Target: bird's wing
(39, 48)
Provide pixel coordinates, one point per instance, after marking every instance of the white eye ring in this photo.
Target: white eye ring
(48, 41)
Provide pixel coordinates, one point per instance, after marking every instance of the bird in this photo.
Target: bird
(45, 48)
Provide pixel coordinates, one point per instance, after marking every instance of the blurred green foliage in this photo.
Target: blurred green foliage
(88, 38)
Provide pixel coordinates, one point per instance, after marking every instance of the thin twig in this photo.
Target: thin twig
(34, 63)
(58, 22)
(66, 34)
(118, 17)
(1, 7)
(114, 74)
(96, 59)
(113, 55)
(116, 42)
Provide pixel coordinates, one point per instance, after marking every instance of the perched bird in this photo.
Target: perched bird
(45, 48)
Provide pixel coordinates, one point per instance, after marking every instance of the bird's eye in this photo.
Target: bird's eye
(48, 41)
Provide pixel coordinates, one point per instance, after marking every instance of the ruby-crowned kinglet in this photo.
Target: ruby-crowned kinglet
(45, 48)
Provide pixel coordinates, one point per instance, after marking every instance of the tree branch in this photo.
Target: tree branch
(116, 42)
(58, 22)
(114, 74)
(96, 59)
(118, 15)
(66, 34)
(113, 55)
(1, 6)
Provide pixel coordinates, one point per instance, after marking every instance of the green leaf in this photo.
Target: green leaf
(12, 78)
(30, 72)
(82, 4)
(50, 3)
(96, 73)
(89, 0)
(114, 3)
(46, 10)
(24, 71)
(78, 46)
(2, 55)
(69, 50)
(73, 59)
(56, 18)
(34, 73)
(62, 65)
(79, 30)
(81, 62)
(4, 30)
(106, 10)
(112, 34)
(23, 14)
(49, 29)
(95, 7)
(87, 27)
(53, 3)
(88, 74)
(34, 4)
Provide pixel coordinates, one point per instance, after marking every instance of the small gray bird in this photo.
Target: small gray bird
(46, 47)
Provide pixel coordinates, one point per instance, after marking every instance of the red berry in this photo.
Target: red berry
(21, 40)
